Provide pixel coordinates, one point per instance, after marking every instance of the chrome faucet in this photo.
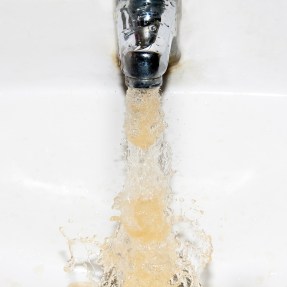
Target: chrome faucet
(147, 39)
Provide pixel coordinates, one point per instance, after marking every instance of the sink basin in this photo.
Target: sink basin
(61, 134)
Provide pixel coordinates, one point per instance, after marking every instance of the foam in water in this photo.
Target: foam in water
(147, 249)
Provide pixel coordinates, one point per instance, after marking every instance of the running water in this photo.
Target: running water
(147, 249)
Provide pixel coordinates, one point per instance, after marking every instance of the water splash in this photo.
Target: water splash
(148, 248)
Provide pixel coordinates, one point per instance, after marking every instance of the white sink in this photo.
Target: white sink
(61, 119)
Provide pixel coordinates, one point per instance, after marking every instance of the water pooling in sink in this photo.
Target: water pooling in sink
(148, 249)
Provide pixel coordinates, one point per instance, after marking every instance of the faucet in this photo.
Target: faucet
(147, 39)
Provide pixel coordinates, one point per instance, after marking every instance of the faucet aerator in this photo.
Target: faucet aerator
(147, 39)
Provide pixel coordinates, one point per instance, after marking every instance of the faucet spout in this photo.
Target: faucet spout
(147, 39)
